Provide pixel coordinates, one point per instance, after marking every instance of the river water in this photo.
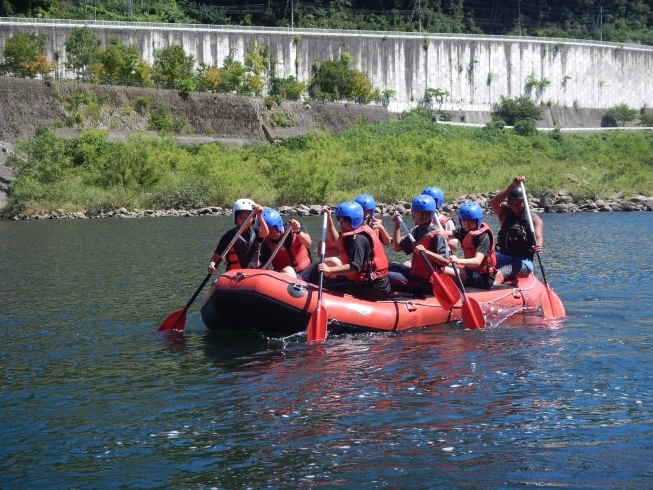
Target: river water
(90, 397)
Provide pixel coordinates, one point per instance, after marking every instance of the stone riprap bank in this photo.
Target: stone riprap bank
(475, 70)
(549, 202)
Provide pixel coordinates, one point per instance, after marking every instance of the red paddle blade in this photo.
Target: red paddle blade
(473, 317)
(445, 290)
(552, 305)
(174, 321)
(317, 326)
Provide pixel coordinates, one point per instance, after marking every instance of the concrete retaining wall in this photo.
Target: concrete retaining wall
(475, 70)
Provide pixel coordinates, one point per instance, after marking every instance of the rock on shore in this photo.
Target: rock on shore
(546, 203)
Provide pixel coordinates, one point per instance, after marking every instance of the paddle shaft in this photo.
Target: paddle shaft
(278, 247)
(532, 228)
(412, 240)
(453, 266)
(322, 254)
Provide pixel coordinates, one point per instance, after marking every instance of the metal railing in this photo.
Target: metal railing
(309, 31)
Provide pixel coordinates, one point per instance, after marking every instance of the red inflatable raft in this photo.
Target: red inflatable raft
(276, 305)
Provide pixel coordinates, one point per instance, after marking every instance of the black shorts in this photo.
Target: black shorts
(479, 281)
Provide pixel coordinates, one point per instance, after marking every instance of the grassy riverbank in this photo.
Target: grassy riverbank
(392, 161)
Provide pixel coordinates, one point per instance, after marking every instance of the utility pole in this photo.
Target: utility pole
(419, 15)
(601, 14)
(519, 7)
(292, 14)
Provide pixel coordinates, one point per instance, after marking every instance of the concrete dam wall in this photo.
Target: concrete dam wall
(475, 70)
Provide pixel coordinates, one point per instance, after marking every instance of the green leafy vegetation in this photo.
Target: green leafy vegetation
(622, 113)
(518, 109)
(619, 21)
(391, 161)
(21, 53)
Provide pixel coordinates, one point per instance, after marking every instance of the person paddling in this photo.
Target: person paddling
(516, 245)
(479, 264)
(364, 262)
(293, 256)
(417, 277)
(245, 252)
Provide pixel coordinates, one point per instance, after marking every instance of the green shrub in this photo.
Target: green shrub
(278, 118)
(608, 121)
(513, 110)
(161, 119)
(524, 127)
(191, 195)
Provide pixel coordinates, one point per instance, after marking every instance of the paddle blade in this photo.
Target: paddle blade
(473, 317)
(174, 321)
(317, 326)
(445, 290)
(552, 305)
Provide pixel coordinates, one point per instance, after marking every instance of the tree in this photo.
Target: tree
(21, 51)
(43, 67)
(81, 51)
(172, 64)
(360, 88)
(288, 88)
(622, 113)
(513, 110)
(334, 77)
(646, 120)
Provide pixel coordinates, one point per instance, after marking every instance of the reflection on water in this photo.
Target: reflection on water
(90, 394)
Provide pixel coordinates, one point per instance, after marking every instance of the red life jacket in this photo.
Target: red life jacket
(376, 266)
(488, 266)
(417, 265)
(444, 220)
(297, 256)
(233, 262)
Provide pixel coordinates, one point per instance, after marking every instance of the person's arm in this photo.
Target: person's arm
(497, 200)
(302, 235)
(396, 233)
(538, 225)
(219, 250)
(483, 244)
(263, 226)
(384, 236)
(332, 233)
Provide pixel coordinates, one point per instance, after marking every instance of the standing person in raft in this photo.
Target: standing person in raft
(428, 240)
(245, 252)
(516, 245)
(294, 256)
(364, 262)
(368, 204)
(479, 264)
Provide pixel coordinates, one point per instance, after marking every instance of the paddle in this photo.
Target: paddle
(317, 326)
(444, 288)
(177, 319)
(473, 317)
(278, 247)
(551, 304)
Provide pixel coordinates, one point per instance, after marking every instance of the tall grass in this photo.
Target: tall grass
(392, 161)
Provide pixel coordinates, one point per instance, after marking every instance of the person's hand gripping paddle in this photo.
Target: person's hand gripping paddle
(177, 319)
(551, 304)
(317, 326)
(444, 289)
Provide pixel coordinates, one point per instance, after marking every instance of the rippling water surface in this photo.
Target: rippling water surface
(91, 398)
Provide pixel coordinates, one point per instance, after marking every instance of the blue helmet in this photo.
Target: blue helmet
(437, 194)
(367, 202)
(471, 210)
(272, 218)
(351, 210)
(423, 202)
